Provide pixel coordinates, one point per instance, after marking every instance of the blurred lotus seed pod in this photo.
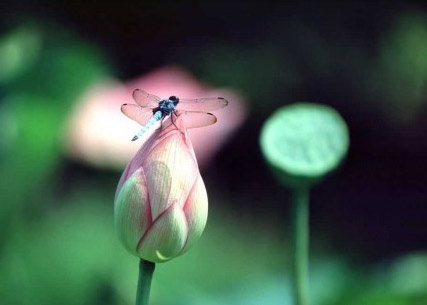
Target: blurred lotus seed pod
(303, 142)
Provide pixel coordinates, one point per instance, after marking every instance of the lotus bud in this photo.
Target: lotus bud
(161, 204)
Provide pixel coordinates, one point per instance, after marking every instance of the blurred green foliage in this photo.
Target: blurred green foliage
(399, 77)
(37, 98)
(19, 49)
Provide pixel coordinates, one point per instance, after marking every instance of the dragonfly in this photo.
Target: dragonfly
(150, 109)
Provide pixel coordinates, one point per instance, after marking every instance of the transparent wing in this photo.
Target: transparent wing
(145, 99)
(137, 113)
(202, 104)
(198, 119)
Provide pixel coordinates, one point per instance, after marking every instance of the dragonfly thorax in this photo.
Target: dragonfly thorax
(167, 106)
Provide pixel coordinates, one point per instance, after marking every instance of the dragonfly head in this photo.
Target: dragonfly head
(174, 99)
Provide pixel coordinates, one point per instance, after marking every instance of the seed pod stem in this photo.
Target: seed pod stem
(300, 238)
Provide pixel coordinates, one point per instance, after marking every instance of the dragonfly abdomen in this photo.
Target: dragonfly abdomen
(156, 117)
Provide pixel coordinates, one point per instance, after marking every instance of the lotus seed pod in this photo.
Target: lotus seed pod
(304, 142)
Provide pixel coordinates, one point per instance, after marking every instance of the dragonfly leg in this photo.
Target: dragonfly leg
(162, 122)
(174, 117)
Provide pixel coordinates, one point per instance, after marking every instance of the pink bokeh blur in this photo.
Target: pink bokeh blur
(99, 134)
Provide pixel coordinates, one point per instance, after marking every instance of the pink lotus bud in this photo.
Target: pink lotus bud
(161, 204)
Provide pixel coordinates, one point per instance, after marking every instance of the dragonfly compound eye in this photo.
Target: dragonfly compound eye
(174, 99)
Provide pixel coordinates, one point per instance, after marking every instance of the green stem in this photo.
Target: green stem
(300, 236)
(146, 270)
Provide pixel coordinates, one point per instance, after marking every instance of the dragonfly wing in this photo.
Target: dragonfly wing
(145, 99)
(137, 113)
(198, 119)
(202, 104)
